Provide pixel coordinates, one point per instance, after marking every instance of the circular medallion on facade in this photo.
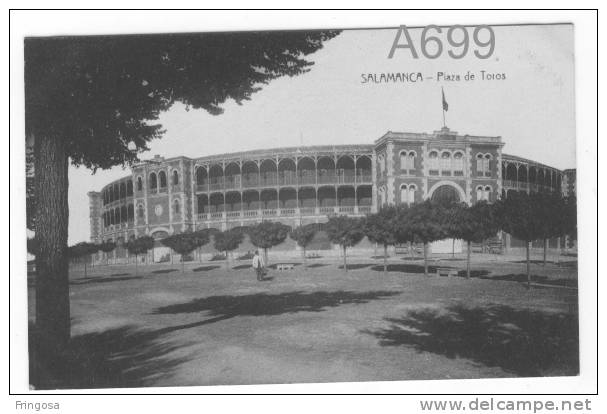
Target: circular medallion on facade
(158, 209)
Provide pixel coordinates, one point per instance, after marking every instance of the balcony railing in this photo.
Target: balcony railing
(269, 212)
(284, 178)
(285, 212)
(346, 209)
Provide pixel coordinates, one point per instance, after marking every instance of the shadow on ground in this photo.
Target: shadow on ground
(314, 265)
(562, 263)
(522, 278)
(219, 308)
(356, 266)
(408, 268)
(121, 357)
(205, 268)
(99, 279)
(161, 271)
(521, 341)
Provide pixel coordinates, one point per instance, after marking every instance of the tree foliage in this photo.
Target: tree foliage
(140, 245)
(107, 246)
(427, 223)
(402, 225)
(303, 236)
(381, 228)
(346, 232)
(227, 241)
(475, 223)
(82, 249)
(99, 93)
(268, 234)
(520, 215)
(183, 243)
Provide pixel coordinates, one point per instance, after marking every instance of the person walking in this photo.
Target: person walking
(258, 265)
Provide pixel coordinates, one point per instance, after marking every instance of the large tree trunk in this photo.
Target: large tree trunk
(265, 256)
(85, 267)
(385, 258)
(558, 250)
(453, 248)
(468, 259)
(136, 264)
(304, 258)
(345, 263)
(52, 215)
(528, 265)
(545, 249)
(425, 258)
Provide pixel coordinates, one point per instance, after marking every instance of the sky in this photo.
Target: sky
(532, 109)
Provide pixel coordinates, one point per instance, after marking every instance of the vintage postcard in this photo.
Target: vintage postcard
(301, 206)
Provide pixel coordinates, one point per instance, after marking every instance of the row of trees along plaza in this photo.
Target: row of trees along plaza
(539, 216)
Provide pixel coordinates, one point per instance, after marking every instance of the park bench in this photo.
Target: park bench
(446, 271)
(285, 266)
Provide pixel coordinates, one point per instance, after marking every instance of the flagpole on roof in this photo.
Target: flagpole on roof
(445, 106)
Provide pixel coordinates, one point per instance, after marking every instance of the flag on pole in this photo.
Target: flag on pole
(445, 104)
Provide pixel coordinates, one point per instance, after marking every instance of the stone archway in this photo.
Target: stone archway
(446, 191)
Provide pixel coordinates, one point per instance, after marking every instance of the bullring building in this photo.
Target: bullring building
(301, 185)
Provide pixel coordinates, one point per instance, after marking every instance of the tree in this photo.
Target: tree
(106, 247)
(381, 228)
(227, 241)
(346, 232)
(83, 250)
(268, 234)
(303, 236)
(555, 217)
(140, 245)
(183, 244)
(201, 237)
(426, 222)
(402, 226)
(473, 225)
(569, 222)
(519, 216)
(92, 100)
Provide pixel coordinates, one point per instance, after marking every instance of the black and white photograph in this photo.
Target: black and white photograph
(313, 205)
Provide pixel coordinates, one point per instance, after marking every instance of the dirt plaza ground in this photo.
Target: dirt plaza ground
(209, 325)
